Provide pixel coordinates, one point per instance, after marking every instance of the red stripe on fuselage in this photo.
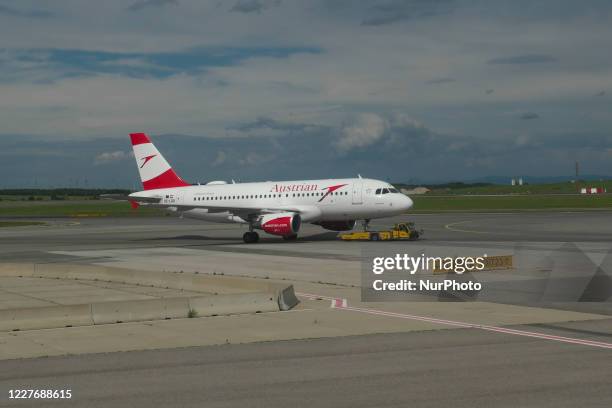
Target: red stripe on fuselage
(139, 138)
(167, 179)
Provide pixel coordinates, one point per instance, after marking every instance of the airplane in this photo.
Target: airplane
(275, 207)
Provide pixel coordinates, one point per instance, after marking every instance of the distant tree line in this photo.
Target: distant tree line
(451, 185)
(60, 193)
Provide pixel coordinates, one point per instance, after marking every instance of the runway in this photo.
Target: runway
(364, 354)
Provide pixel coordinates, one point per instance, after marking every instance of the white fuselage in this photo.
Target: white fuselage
(315, 200)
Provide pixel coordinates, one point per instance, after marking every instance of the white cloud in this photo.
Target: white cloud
(111, 157)
(367, 129)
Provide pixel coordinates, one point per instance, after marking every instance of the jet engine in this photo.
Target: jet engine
(337, 225)
(284, 224)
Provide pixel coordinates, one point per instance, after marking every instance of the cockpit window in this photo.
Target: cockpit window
(385, 190)
(378, 191)
(393, 190)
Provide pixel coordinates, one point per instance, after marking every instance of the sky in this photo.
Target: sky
(407, 91)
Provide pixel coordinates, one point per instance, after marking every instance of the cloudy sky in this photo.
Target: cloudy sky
(414, 90)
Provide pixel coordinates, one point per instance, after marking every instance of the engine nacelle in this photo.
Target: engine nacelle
(280, 223)
(337, 225)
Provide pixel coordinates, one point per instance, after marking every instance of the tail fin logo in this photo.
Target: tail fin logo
(146, 159)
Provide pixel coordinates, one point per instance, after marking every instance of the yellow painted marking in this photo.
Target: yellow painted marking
(452, 224)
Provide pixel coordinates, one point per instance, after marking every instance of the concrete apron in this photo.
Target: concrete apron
(232, 295)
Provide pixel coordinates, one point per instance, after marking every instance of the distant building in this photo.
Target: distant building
(520, 181)
(513, 182)
(592, 190)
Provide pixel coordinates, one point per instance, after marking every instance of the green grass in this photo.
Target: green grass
(94, 208)
(422, 203)
(432, 203)
(19, 223)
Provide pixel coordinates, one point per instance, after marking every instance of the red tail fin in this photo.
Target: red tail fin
(155, 172)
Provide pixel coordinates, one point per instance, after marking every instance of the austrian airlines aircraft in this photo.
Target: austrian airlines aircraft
(277, 208)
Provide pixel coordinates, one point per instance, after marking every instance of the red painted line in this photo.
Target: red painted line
(341, 304)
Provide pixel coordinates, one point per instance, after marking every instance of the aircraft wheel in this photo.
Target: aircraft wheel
(374, 237)
(291, 237)
(250, 237)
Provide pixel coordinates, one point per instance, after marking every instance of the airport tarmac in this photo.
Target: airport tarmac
(458, 368)
(36, 242)
(375, 352)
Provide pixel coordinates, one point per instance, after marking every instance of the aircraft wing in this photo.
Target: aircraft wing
(307, 212)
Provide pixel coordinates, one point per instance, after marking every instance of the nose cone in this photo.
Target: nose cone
(407, 203)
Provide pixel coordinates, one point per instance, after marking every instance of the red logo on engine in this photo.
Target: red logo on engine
(278, 226)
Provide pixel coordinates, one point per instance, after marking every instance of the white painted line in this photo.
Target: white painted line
(342, 304)
(515, 332)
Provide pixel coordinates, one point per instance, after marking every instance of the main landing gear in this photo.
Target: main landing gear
(250, 237)
(366, 225)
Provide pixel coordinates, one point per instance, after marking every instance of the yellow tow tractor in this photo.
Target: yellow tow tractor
(404, 231)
